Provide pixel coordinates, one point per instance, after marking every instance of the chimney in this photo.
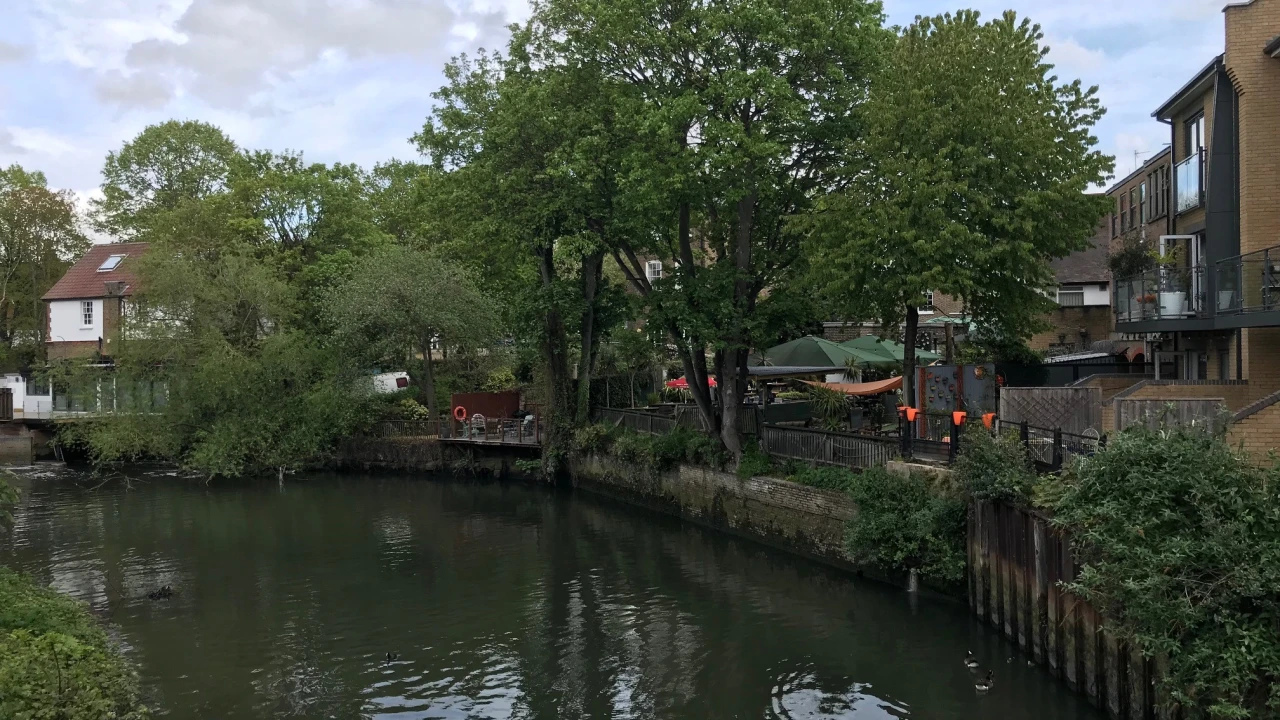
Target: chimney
(115, 288)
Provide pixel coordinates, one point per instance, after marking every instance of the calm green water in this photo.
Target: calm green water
(501, 601)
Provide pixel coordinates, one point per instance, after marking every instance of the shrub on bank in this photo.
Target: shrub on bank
(996, 467)
(904, 523)
(1179, 541)
(55, 662)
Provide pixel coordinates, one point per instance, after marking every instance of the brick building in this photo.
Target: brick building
(83, 309)
(1210, 310)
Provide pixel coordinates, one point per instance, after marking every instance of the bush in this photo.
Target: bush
(905, 524)
(55, 662)
(594, 438)
(995, 467)
(754, 463)
(1179, 541)
(825, 478)
(660, 453)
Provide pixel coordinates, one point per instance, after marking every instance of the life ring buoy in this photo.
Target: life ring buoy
(460, 414)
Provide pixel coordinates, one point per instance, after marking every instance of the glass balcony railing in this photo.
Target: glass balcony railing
(1189, 175)
(1161, 294)
(1249, 283)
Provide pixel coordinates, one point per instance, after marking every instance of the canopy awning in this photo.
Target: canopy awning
(781, 371)
(871, 388)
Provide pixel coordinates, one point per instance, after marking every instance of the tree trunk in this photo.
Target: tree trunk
(733, 374)
(909, 357)
(560, 403)
(592, 270)
(429, 378)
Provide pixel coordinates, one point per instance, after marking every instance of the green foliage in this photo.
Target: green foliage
(1178, 537)
(754, 462)
(971, 202)
(995, 467)
(410, 409)
(8, 498)
(598, 437)
(825, 478)
(39, 236)
(659, 453)
(903, 523)
(501, 380)
(831, 407)
(163, 168)
(55, 662)
(1132, 256)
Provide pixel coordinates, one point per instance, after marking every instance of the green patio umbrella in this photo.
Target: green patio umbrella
(887, 348)
(817, 352)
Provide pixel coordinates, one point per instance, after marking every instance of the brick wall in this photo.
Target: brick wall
(1096, 321)
(1258, 432)
(1261, 355)
(70, 350)
(1256, 77)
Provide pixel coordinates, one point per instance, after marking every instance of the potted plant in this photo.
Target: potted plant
(1131, 261)
(1175, 278)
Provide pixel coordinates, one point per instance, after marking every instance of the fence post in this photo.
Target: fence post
(1024, 433)
(954, 449)
(1057, 449)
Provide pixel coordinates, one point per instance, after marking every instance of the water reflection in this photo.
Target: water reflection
(494, 602)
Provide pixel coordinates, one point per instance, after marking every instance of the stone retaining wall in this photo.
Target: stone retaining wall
(784, 514)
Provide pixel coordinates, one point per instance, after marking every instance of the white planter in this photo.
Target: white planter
(1173, 304)
(1226, 298)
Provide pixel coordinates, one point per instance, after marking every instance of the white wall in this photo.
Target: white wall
(67, 325)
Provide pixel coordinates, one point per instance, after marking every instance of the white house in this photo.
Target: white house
(85, 306)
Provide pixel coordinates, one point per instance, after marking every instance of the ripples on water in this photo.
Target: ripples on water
(498, 601)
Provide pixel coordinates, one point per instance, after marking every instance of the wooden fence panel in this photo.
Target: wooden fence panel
(1208, 413)
(1073, 409)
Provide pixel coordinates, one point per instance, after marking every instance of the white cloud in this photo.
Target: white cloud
(9, 145)
(10, 52)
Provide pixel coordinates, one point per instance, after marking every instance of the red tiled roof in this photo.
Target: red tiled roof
(83, 280)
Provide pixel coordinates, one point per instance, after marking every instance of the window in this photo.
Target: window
(1195, 134)
(1224, 364)
(653, 270)
(1071, 296)
(1133, 208)
(1157, 197)
(1124, 212)
(928, 306)
(86, 313)
(1142, 204)
(1115, 227)
(111, 263)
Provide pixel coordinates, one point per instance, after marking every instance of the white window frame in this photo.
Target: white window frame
(1076, 292)
(653, 270)
(117, 258)
(86, 313)
(928, 308)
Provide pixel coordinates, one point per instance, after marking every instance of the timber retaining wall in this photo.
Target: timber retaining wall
(1017, 562)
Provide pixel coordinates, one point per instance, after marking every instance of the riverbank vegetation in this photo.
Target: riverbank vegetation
(741, 174)
(55, 659)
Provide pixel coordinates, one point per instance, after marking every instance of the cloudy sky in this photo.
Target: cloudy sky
(351, 80)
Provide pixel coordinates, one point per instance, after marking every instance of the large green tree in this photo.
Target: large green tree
(39, 238)
(972, 175)
(739, 115)
(528, 156)
(399, 302)
(160, 169)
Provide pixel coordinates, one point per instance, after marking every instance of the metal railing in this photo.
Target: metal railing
(1166, 293)
(1189, 175)
(1249, 282)
(637, 421)
(828, 448)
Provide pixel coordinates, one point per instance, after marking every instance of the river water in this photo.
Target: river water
(495, 601)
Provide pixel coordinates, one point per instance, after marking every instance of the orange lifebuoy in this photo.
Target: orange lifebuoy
(460, 413)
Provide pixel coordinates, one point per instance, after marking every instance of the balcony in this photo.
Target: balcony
(1189, 179)
(1249, 283)
(1161, 294)
(1238, 292)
